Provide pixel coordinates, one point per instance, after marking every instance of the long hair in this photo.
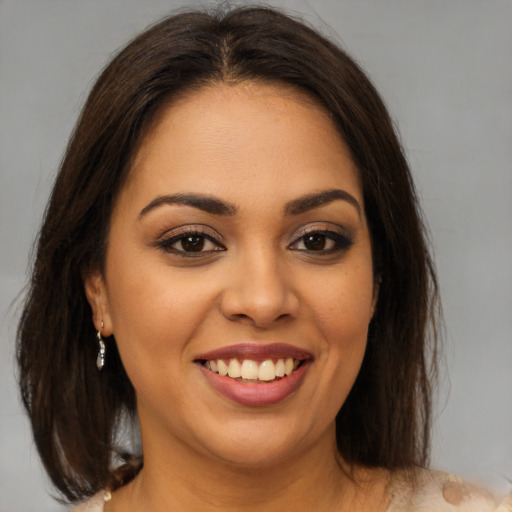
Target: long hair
(76, 412)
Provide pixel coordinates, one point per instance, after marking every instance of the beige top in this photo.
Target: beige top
(432, 491)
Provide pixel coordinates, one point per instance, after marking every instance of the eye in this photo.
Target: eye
(316, 242)
(190, 243)
(321, 241)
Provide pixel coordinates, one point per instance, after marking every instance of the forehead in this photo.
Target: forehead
(244, 140)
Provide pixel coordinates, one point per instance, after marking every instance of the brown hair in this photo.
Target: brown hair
(75, 410)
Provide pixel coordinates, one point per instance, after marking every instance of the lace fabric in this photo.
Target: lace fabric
(410, 491)
(425, 490)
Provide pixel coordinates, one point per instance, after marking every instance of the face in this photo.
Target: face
(239, 245)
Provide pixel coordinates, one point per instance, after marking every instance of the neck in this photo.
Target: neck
(315, 479)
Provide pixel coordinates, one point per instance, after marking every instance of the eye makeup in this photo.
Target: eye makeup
(191, 241)
(322, 240)
(200, 241)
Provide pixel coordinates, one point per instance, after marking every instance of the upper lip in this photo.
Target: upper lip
(256, 351)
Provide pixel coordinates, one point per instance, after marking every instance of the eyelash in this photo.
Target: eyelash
(341, 242)
(166, 244)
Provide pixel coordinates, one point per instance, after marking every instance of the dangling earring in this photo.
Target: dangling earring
(100, 360)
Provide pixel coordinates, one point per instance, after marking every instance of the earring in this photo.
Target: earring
(100, 359)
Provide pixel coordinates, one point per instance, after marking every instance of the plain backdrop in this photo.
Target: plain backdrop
(444, 68)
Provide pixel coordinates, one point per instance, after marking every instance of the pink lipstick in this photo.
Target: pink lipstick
(255, 375)
(257, 352)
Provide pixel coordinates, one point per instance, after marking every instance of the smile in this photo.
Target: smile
(255, 375)
(251, 371)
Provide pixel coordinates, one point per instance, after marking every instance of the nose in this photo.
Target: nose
(259, 291)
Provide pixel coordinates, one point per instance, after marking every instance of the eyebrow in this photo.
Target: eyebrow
(315, 200)
(202, 202)
(216, 206)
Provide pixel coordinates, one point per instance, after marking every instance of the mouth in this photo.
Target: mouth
(250, 371)
(253, 374)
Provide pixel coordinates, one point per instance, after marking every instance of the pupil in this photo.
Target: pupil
(193, 243)
(315, 242)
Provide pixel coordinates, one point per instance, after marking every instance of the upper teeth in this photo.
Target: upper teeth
(254, 370)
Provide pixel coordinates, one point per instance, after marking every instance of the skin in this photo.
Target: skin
(256, 147)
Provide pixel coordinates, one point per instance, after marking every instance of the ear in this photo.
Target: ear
(96, 293)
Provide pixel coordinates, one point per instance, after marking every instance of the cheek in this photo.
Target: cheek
(154, 311)
(342, 312)
(154, 317)
(344, 304)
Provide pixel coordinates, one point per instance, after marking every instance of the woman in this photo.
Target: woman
(233, 254)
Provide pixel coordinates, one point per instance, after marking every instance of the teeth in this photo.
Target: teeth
(280, 371)
(253, 370)
(288, 366)
(234, 369)
(249, 369)
(222, 367)
(267, 370)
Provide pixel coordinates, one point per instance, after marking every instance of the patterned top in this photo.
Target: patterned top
(426, 491)
(433, 491)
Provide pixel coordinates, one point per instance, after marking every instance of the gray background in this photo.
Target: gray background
(444, 68)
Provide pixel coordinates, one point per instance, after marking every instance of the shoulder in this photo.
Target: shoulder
(93, 504)
(423, 490)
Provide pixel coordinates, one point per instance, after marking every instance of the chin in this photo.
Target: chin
(257, 445)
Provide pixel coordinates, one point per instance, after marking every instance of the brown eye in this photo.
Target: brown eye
(315, 242)
(193, 243)
(322, 242)
(190, 243)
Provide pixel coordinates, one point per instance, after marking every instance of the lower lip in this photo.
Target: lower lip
(257, 395)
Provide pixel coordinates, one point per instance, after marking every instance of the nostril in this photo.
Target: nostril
(261, 303)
